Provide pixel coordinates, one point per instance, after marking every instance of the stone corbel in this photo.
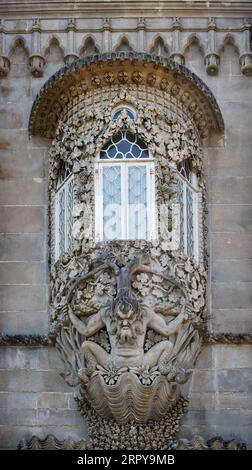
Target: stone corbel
(212, 62)
(176, 54)
(37, 63)
(246, 55)
(212, 59)
(36, 60)
(71, 56)
(141, 31)
(4, 66)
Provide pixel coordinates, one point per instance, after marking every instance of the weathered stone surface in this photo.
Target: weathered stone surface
(231, 270)
(23, 400)
(203, 381)
(231, 245)
(234, 400)
(19, 272)
(27, 297)
(24, 358)
(237, 380)
(22, 191)
(22, 219)
(53, 400)
(25, 247)
(231, 190)
(235, 320)
(32, 381)
(233, 356)
(24, 322)
(232, 218)
(231, 295)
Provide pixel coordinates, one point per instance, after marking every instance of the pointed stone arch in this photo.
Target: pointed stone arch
(123, 45)
(159, 47)
(88, 47)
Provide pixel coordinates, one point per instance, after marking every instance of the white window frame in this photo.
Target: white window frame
(63, 187)
(193, 187)
(150, 194)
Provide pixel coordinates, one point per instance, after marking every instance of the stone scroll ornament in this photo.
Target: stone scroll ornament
(128, 348)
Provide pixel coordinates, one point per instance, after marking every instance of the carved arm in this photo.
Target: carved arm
(94, 324)
(158, 324)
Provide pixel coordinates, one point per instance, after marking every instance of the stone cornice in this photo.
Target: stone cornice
(133, 8)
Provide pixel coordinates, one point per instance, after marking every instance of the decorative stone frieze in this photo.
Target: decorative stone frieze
(47, 111)
(197, 443)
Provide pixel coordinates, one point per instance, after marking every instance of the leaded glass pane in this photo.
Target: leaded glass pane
(184, 169)
(189, 220)
(69, 214)
(137, 200)
(180, 200)
(111, 202)
(124, 146)
(61, 221)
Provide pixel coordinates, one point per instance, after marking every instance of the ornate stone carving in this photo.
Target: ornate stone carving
(37, 63)
(45, 116)
(127, 315)
(131, 439)
(149, 377)
(51, 443)
(200, 443)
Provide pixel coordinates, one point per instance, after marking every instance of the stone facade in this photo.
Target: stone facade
(214, 43)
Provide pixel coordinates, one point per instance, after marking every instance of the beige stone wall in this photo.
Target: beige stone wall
(34, 398)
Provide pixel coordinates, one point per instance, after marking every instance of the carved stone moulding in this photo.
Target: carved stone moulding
(51, 443)
(4, 66)
(122, 69)
(37, 63)
(197, 443)
(246, 63)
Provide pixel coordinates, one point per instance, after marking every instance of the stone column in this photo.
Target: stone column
(106, 37)
(71, 55)
(246, 53)
(36, 61)
(141, 34)
(176, 54)
(212, 59)
(4, 60)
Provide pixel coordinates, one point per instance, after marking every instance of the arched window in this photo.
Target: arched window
(124, 111)
(125, 190)
(187, 197)
(64, 211)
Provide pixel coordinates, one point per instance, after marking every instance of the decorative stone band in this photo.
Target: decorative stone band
(24, 340)
(197, 443)
(37, 340)
(122, 69)
(228, 338)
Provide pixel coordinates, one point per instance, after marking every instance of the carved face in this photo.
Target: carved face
(125, 307)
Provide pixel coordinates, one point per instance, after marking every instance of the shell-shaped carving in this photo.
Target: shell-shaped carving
(129, 399)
